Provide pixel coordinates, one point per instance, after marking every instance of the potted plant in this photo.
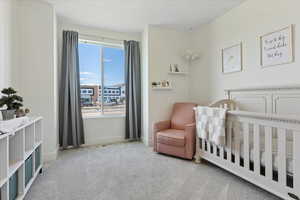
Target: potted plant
(12, 102)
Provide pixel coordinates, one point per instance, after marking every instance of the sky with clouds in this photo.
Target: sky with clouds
(89, 62)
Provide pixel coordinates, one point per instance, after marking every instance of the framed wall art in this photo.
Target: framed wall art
(232, 59)
(276, 48)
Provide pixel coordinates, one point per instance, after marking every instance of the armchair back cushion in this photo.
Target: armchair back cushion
(183, 114)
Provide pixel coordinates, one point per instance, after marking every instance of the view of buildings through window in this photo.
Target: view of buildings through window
(102, 83)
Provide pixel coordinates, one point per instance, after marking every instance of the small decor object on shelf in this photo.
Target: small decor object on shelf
(171, 68)
(154, 84)
(176, 69)
(232, 59)
(277, 47)
(161, 85)
(12, 102)
(165, 84)
(21, 112)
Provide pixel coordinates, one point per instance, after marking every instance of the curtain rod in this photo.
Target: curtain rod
(101, 37)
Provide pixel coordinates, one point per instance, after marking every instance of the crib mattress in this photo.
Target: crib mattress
(289, 156)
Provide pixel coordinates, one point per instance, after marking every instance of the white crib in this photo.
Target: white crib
(262, 147)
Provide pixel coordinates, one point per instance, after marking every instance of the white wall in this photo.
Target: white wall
(35, 72)
(106, 129)
(145, 85)
(244, 23)
(165, 47)
(7, 11)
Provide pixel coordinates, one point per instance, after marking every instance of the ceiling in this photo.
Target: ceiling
(134, 15)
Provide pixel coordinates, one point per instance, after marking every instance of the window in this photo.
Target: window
(101, 69)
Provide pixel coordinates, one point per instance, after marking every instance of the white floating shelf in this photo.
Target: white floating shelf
(162, 88)
(178, 73)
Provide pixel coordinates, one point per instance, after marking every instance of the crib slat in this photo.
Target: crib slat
(237, 143)
(221, 152)
(203, 144)
(215, 149)
(208, 146)
(296, 151)
(268, 153)
(256, 150)
(229, 137)
(246, 146)
(281, 156)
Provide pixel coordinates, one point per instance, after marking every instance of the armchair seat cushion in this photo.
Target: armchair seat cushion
(171, 137)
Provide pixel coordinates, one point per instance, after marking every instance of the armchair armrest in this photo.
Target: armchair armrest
(162, 125)
(190, 130)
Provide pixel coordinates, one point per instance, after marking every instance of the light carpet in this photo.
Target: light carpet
(132, 171)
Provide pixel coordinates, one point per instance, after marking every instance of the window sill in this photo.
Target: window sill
(100, 116)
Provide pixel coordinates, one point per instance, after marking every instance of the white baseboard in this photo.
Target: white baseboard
(51, 156)
(104, 141)
(48, 157)
(145, 141)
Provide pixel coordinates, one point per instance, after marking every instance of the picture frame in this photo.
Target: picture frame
(232, 59)
(277, 47)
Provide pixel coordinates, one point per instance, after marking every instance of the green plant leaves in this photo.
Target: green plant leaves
(10, 99)
(8, 91)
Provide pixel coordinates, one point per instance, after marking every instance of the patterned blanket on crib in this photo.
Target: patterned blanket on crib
(210, 123)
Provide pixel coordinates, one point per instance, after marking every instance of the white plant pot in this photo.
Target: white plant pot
(8, 114)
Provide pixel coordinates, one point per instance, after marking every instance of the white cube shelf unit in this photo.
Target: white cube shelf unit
(18, 152)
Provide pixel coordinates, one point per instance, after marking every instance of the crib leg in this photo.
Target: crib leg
(197, 159)
(197, 153)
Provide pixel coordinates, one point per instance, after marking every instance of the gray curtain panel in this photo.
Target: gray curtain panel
(133, 90)
(70, 118)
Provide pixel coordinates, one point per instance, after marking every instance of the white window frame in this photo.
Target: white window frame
(110, 45)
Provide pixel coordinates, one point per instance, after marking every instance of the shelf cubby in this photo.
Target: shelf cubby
(37, 158)
(13, 186)
(29, 170)
(29, 139)
(16, 184)
(16, 151)
(38, 131)
(3, 160)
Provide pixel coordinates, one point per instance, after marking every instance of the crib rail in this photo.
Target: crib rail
(225, 103)
(261, 148)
